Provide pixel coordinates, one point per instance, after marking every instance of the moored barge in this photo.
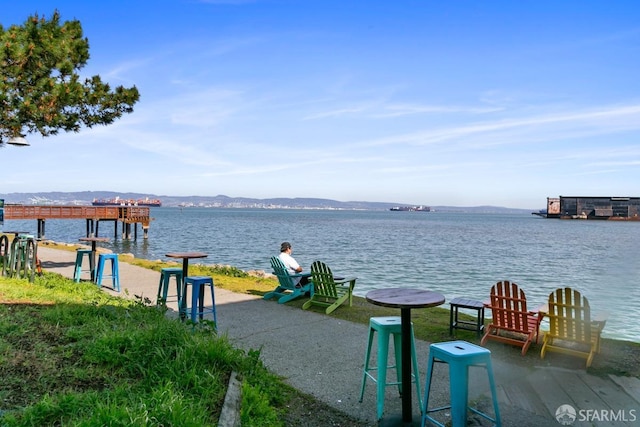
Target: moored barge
(588, 207)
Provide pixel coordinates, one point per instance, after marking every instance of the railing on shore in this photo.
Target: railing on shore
(127, 215)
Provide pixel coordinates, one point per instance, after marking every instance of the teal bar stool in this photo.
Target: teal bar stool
(115, 275)
(80, 254)
(385, 327)
(4, 253)
(197, 308)
(460, 355)
(163, 286)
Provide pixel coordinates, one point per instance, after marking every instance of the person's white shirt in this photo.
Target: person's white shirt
(289, 262)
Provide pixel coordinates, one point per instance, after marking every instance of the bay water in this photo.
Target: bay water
(456, 254)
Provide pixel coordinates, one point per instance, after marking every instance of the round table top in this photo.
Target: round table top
(405, 298)
(186, 255)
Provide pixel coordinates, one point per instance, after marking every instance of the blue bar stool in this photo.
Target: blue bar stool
(460, 355)
(80, 254)
(386, 326)
(163, 285)
(115, 277)
(197, 308)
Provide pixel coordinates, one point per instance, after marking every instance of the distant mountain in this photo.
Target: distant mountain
(222, 201)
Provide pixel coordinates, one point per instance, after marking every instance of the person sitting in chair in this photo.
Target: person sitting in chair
(292, 265)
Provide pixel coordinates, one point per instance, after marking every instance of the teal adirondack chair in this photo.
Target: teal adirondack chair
(286, 289)
(328, 291)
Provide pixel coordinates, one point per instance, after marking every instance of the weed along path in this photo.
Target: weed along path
(323, 356)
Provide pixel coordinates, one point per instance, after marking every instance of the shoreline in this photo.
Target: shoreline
(446, 253)
(252, 273)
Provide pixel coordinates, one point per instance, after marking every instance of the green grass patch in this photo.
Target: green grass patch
(73, 355)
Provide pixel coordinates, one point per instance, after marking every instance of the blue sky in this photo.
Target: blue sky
(457, 103)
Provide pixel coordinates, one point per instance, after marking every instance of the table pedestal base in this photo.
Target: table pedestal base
(395, 420)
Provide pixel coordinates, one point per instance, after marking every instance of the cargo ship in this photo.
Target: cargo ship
(117, 201)
(411, 208)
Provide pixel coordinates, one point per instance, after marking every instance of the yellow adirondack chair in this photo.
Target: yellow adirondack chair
(571, 328)
(511, 322)
(328, 291)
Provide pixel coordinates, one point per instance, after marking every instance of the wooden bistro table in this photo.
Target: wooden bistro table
(405, 299)
(186, 256)
(94, 243)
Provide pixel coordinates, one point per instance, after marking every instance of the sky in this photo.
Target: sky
(457, 103)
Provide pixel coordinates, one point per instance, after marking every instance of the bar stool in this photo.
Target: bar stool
(22, 257)
(4, 253)
(80, 254)
(386, 326)
(115, 277)
(163, 285)
(460, 355)
(197, 308)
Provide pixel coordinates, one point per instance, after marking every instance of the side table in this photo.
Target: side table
(465, 303)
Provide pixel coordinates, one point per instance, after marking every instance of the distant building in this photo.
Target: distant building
(608, 208)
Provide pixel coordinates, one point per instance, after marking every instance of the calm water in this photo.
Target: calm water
(454, 253)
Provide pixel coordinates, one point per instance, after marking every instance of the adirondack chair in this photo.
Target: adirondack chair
(511, 322)
(286, 290)
(329, 292)
(572, 330)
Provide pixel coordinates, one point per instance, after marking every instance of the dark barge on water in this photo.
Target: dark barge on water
(602, 208)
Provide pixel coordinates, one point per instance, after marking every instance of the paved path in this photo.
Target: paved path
(323, 356)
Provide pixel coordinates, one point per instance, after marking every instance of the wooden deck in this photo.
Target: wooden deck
(540, 391)
(127, 215)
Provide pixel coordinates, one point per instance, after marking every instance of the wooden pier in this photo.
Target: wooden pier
(129, 216)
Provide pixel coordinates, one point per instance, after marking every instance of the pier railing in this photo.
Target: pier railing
(126, 214)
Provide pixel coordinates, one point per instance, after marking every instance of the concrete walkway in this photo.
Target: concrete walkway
(323, 356)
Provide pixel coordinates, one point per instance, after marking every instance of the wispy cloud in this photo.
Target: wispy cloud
(605, 120)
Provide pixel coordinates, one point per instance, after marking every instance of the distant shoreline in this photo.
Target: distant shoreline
(222, 201)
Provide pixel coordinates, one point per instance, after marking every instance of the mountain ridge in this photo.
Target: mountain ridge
(223, 201)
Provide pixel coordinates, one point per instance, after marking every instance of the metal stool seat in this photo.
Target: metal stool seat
(197, 309)
(163, 286)
(386, 326)
(80, 254)
(115, 276)
(460, 355)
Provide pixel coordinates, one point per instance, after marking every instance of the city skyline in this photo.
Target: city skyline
(455, 103)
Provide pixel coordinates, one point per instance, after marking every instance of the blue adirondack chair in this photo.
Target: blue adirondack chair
(286, 289)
